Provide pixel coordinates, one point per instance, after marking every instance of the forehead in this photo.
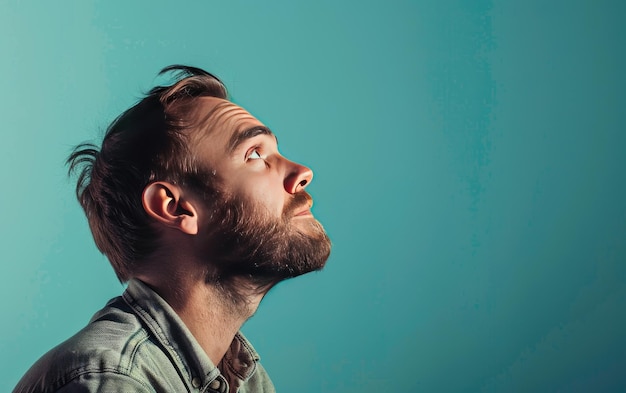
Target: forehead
(222, 124)
(216, 116)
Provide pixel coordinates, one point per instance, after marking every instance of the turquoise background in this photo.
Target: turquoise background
(469, 167)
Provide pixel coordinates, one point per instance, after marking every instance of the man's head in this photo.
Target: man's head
(187, 161)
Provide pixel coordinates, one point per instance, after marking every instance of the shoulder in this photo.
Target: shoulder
(101, 354)
(96, 382)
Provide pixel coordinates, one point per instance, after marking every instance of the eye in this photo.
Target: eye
(254, 154)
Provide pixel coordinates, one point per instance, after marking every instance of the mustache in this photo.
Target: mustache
(300, 200)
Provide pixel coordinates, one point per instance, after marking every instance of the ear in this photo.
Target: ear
(163, 201)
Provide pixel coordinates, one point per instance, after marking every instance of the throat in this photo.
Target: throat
(214, 317)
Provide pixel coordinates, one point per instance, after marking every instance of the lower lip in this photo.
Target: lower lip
(304, 214)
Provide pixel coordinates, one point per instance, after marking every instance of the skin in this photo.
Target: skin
(254, 169)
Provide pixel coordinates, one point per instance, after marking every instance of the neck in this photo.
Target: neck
(212, 314)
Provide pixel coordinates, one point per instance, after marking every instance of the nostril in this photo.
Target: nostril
(297, 178)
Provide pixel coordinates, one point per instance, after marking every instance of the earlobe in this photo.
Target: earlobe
(164, 202)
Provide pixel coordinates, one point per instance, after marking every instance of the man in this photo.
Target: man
(194, 206)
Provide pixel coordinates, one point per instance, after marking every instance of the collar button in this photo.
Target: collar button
(215, 384)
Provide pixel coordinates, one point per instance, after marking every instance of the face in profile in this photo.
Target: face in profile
(258, 224)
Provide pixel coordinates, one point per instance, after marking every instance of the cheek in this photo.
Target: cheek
(267, 194)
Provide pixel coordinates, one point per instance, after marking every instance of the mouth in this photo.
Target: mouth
(300, 205)
(305, 213)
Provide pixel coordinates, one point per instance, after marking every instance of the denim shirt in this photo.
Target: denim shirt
(137, 343)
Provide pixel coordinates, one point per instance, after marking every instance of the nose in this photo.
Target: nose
(297, 177)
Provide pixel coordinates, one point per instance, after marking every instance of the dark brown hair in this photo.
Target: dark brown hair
(148, 142)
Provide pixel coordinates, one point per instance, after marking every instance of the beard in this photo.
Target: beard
(247, 242)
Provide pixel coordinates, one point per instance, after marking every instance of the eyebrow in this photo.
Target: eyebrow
(239, 137)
